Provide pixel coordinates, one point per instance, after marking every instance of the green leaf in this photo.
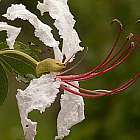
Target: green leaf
(7, 66)
(20, 62)
(30, 49)
(3, 84)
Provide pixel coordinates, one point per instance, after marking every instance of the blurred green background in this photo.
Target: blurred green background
(107, 118)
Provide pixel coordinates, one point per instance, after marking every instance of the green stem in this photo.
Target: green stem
(19, 53)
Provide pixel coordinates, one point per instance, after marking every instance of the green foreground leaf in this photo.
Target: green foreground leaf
(20, 62)
(3, 84)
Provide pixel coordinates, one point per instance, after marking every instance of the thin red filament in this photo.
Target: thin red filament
(120, 59)
(113, 59)
(89, 93)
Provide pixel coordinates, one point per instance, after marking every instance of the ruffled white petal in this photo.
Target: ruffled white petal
(42, 31)
(64, 22)
(58, 54)
(71, 113)
(12, 33)
(40, 94)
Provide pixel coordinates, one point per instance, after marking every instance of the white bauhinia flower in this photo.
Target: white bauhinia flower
(64, 22)
(41, 92)
(12, 33)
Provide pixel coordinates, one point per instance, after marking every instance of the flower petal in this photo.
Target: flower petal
(12, 33)
(42, 31)
(71, 113)
(58, 54)
(40, 94)
(64, 22)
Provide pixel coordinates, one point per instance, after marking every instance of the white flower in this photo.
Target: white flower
(41, 92)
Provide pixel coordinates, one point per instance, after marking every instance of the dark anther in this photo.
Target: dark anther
(130, 36)
(118, 22)
(132, 45)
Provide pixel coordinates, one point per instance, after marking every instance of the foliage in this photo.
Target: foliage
(3, 83)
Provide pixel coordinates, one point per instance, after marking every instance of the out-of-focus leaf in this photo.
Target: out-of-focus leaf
(19, 63)
(3, 84)
(26, 79)
(3, 45)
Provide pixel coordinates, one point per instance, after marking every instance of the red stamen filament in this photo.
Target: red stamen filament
(113, 59)
(104, 63)
(123, 56)
(117, 53)
(100, 93)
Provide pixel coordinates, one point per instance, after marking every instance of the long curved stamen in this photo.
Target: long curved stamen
(106, 61)
(81, 94)
(129, 50)
(100, 93)
(86, 90)
(119, 51)
(122, 87)
(121, 55)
